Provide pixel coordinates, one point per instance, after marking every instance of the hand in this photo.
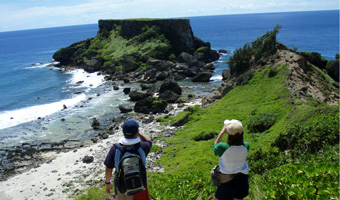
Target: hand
(109, 188)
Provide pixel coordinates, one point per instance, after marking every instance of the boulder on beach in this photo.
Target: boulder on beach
(88, 159)
(170, 85)
(127, 90)
(150, 105)
(189, 60)
(136, 95)
(202, 77)
(169, 96)
(124, 109)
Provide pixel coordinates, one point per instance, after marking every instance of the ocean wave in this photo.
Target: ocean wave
(79, 79)
(42, 65)
(84, 79)
(216, 78)
(38, 65)
(23, 115)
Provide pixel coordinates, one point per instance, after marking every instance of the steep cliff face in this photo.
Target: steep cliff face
(177, 31)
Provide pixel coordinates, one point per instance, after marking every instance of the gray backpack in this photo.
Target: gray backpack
(130, 177)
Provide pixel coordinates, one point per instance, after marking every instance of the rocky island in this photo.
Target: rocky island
(142, 50)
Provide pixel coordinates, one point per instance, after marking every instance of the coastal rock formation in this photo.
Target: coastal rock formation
(124, 109)
(170, 85)
(150, 105)
(169, 96)
(136, 95)
(142, 50)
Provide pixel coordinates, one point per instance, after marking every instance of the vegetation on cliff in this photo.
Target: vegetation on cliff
(294, 141)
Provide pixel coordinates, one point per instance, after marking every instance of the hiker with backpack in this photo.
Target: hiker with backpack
(233, 168)
(128, 157)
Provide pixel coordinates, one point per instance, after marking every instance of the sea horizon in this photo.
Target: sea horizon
(187, 17)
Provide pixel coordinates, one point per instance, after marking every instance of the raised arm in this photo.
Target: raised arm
(219, 138)
(143, 138)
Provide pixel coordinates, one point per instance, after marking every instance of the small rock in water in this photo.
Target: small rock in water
(95, 123)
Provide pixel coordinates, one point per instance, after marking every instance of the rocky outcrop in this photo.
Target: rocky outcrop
(202, 77)
(150, 105)
(170, 85)
(169, 96)
(136, 95)
(124, 109)
(142, 50)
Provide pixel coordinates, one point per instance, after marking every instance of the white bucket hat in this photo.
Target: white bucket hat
(233, 126)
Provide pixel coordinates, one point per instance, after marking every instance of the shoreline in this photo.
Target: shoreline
(64, 174)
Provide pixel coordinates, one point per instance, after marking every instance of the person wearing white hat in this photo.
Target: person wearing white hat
(232, 162)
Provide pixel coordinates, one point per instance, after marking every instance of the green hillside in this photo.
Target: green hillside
(297, 173)
(294, 138)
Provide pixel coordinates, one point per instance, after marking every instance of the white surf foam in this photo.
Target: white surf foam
(38, 65)
(84, 79)
(23, 115)
(216, 78)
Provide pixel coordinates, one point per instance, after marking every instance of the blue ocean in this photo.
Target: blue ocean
(34, 93)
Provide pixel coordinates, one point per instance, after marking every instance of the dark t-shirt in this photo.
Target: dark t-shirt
(110, 158)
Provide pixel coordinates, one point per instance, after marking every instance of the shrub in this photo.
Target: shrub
(108, 63)
(262, 47)
(272, 72)
(172, 57)
(311, 137)
(205, 136)
(261, 122)
(245, 78)
(314, 177)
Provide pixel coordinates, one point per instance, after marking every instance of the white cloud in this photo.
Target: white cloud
(59, 13)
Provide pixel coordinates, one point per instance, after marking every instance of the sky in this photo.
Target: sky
(31, 14)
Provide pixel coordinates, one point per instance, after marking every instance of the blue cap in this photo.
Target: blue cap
(130, 127)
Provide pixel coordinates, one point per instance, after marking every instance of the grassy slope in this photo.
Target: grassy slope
(262, 95)
(149, 43)
(188, 162)
(274, 174)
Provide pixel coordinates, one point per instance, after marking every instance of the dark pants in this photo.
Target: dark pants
(236, 188)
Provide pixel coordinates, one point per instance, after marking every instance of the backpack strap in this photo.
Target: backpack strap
(141, 152)
(142, 155)
(121, 149)
(118, 154)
